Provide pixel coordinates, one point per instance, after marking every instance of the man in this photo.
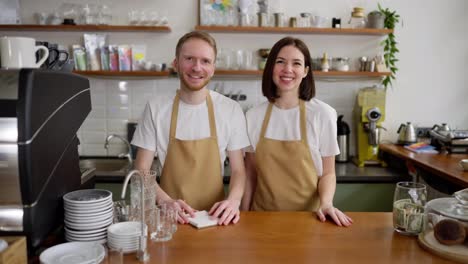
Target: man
(191, 134)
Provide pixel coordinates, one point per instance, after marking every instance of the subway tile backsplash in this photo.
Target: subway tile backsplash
(117, 101)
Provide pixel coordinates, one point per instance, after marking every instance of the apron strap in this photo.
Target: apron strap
(211, 116)
(175, 112)
(303, 122)
(266, 120)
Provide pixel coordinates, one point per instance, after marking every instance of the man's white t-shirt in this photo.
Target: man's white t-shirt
(284, 125)
(152, 132)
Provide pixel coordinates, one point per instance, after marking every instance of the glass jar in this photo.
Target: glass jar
(304, 20)
(340, 64)
(357, 19)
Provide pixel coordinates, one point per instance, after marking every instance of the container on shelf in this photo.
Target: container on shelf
(357, 19)
(340, 64)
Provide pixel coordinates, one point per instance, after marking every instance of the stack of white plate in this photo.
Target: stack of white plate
(124, 235)
(88, 213)
(73, 252)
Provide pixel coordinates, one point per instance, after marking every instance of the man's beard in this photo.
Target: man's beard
(192, 87)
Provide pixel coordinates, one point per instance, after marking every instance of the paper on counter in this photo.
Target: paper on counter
(202, 219)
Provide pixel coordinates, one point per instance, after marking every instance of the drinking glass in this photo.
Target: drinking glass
(408, 207)
(163, 223)
(150, 195)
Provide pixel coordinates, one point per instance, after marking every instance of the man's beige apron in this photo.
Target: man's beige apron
(192, 169)
(286, 176)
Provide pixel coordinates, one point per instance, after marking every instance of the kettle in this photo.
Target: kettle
(443, 127)
(406, 134)
(343, 140)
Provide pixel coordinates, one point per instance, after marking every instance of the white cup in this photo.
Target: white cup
(464, 164)
(20, 52)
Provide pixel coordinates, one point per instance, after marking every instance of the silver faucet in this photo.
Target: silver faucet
(142, 253)
(127, 155)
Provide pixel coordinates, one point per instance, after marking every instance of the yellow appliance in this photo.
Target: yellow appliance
(369, 113)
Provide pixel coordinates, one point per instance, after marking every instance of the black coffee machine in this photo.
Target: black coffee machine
(40, 113)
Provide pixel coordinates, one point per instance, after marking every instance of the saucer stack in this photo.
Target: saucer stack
(88, 213)
(124, 236)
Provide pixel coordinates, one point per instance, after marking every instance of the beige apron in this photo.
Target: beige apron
(286, 176)
(192, 169)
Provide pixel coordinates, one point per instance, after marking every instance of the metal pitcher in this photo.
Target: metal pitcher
(406, 134)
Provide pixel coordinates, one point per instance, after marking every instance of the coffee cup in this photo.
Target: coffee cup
(20, 52)
(464, 164)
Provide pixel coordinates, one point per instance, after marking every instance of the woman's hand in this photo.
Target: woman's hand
(338, 217)
(184, 211)
(227, 211)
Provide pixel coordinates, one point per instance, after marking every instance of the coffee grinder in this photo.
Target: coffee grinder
(369, 114)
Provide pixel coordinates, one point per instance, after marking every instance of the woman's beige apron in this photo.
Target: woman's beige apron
(192, 169)
(286, 176)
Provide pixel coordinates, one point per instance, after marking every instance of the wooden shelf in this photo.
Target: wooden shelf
(296, 30)
(110, 28)
(221, 73)
(125, 73)
(316, 73)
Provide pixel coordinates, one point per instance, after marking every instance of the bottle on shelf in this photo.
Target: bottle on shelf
(325, 65)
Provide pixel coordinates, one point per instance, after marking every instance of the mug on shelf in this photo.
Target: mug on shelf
(20, 52)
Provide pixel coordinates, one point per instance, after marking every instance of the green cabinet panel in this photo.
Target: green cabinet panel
(115, 188)
(364, 197)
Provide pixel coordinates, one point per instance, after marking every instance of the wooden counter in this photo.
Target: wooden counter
(291, 237)
(443, 165)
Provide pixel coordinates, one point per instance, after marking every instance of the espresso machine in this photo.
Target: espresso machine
(40, 113)
(369, 113)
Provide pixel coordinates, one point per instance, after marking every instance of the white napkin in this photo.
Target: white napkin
(3, 245)
(202, 219)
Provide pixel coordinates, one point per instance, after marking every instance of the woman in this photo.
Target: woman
(291, 161)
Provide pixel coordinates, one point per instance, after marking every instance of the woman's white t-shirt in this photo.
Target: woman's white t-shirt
(152, 132)
(284, 125)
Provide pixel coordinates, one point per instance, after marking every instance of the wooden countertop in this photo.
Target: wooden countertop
(444, 165)
(291, 237)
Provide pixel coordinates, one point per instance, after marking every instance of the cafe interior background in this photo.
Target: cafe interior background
(430, 85)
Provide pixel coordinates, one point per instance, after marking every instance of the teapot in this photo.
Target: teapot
(406, 134)
(443, 127)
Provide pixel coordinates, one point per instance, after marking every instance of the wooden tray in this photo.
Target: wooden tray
(16, 251)
(457, 253)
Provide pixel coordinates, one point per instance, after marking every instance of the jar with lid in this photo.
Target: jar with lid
(357, 19)
(446, 223)
(340, 64)
(304, 20)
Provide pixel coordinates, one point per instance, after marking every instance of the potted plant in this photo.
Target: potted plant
(390, 45)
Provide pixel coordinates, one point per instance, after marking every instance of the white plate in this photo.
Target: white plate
(86, 214)
(89, 205)
(97, 234)
(87, 196)
(85, 239)
(85, 232)
(73, 253)
(89, 226)
(125, 229)
(93, 209)
(82, 220)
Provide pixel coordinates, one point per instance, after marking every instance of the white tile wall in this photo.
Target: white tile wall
(116, 102)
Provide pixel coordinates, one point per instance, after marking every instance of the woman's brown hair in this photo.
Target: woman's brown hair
(307, 86)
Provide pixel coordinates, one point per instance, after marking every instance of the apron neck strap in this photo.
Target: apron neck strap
(302, 120)
(175, 112)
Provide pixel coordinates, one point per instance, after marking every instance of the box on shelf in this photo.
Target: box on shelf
(16, 252)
